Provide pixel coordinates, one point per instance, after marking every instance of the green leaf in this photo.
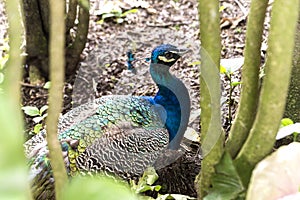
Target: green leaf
(31, 111)
(156, 188)
(197, 62)
(128, 12)
(226, 182)
(108, 15)
(101, 21)
(151, 175)
(47, 85)
(39, 118)
(221, 8)
(43, 109)
(145, 188)
(192, 135)
(175, 196)
(288, 130)
(37, 128)
(223, 70)
(234, 84)
(145, 182)
(119, 20)
(108, 7)
(233, 64)
(286, 121)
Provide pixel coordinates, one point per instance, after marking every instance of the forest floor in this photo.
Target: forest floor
(144, 25)
(103, 69)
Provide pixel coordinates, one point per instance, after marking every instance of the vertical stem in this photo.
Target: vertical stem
(211, 132)
(57, 64)
(230, 100)
(274, 89)
(14, 63)
(13, 170)
(292, 109)
(250, 78)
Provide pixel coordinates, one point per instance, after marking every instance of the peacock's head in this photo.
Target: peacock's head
(167, 54)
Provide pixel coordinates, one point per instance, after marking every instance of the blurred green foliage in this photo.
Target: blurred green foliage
(13, 170)
(98, 188)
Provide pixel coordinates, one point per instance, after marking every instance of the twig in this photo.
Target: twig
(244, 10)
(166, 25)
(30, 85)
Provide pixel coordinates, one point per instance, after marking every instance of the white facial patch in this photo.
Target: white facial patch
(164, 59)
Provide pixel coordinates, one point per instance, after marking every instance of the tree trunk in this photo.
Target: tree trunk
(36, 14)
(74, 50)
(36, 36)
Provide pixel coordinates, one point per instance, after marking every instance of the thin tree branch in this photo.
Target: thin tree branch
(250, 77)
(14, 63)
(74, 51)
(57, 64)
(71, 14)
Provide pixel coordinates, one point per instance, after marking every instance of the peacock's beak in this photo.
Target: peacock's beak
(182, 51)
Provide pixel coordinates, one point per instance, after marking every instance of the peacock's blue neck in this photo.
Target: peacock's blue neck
(166, 98)
(174, 98)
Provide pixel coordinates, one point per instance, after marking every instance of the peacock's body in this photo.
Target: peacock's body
(117, 134)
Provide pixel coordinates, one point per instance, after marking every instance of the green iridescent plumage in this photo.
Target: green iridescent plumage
(115, 124)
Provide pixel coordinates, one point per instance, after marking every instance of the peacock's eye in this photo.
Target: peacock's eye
(168, 55)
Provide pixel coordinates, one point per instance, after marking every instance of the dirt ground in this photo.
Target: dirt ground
(103, 70)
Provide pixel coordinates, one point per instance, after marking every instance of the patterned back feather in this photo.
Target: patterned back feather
(119, 135)
(124, 150)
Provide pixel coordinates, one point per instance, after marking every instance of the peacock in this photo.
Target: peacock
(117, 134)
